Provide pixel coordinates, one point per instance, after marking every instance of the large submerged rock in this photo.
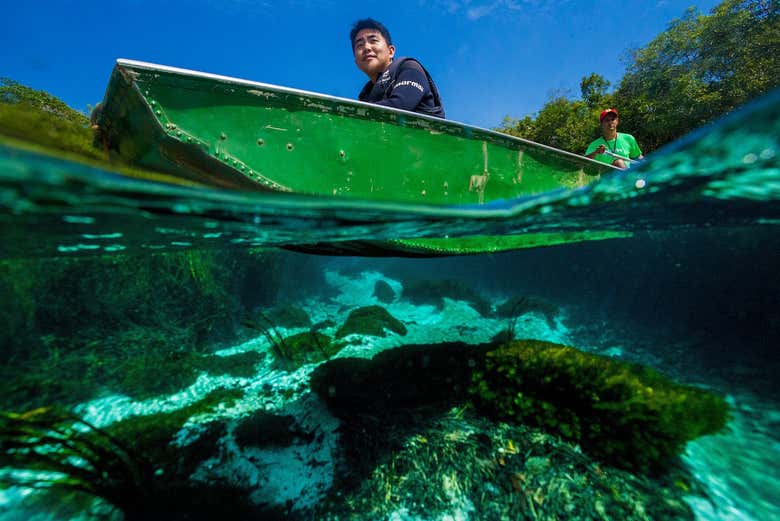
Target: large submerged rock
(370, 320)
(625, 415)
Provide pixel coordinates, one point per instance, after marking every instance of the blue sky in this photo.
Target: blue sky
(490, 58)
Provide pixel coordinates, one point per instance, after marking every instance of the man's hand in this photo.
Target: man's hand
(600, 150)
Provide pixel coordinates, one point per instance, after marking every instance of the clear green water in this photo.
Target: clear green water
(694, 293)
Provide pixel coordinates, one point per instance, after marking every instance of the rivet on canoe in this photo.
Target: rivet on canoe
(289, 146)
(158, 112)
(341, 153)
(260, 142)
(178, 133)
(222, 136)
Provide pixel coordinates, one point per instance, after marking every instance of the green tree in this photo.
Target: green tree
(524, 128)
(562, 123)
(594, 90)
(701, 67)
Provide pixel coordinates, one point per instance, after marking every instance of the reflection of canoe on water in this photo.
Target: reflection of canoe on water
(229, 133)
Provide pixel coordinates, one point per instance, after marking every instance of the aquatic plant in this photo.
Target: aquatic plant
(17, 278)
(627, 415)
(201, 267)
(370, 320)
(458, 465)
(130, 464)
(275, 339)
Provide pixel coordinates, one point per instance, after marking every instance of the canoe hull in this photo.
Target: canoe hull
(230, 133)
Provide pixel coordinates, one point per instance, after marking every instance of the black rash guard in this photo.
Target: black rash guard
(405, 85)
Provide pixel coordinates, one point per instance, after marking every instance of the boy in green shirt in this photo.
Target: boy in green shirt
(613, 147)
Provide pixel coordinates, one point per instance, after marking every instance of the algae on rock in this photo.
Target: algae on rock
(370, 320)
(630, 416)
(309, 347)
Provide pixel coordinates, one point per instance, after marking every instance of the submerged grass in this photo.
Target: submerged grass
(131, 464)
(458, 465)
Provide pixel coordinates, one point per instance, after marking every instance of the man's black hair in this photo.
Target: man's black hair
(369, 23)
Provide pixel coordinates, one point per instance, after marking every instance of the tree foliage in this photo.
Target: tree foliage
(562, 123)
(699, 68)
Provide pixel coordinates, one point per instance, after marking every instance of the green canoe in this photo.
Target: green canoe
(222, 132)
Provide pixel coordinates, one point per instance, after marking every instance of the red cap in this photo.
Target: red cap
(605, 112)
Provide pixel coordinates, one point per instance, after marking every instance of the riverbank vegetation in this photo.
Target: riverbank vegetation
(702, 67)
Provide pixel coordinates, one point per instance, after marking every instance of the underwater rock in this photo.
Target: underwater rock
(503, 336)
(401, 378)
(286, 316)
(370, 320)
(305, 348)
(383, 292)
(627, 415)
(323, 324)
(434, 291)
(518, 306)
(264, 429)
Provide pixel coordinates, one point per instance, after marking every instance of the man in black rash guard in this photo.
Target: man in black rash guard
(402, 83)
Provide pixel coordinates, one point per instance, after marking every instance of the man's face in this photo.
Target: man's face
(372, 54)
(610, 122)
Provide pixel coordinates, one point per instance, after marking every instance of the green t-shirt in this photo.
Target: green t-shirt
(623, 145)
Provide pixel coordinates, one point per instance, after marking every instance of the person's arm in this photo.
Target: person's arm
(409, 89)
(593, 151)
(636, 152)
